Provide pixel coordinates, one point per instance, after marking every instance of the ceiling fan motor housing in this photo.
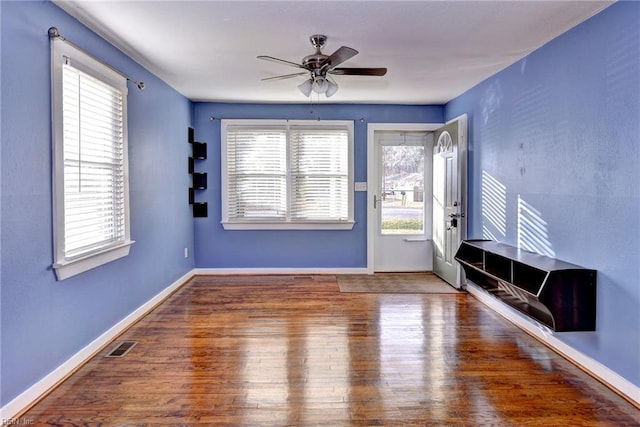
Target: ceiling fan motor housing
(314, 62)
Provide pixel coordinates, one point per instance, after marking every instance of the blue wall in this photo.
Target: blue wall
(554, 166)
(218, 248)
(44, 322)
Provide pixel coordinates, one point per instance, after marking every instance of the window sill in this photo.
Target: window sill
(70, 268)
(299, 225)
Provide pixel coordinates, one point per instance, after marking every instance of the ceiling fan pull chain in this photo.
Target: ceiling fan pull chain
(318, 107)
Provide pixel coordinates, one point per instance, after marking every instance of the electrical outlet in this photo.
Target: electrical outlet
(186, 252)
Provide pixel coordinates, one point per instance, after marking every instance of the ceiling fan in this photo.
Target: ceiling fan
(319, 68)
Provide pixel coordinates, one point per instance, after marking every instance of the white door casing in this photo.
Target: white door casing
(399, 252)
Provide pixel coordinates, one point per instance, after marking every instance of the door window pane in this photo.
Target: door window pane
(402, 190)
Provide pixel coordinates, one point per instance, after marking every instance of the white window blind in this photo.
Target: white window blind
(319, 173)
(278, 174)
(93, 163)
(91, 213)
(257, 171)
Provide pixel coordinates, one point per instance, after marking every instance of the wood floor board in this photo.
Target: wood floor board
(280, 350)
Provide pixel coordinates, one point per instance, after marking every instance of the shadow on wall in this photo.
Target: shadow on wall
(494, 208)
(532, 232)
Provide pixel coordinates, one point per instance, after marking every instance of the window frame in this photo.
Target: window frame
(288, 223)
(68, 266)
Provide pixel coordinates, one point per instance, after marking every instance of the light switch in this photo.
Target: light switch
(360, 186)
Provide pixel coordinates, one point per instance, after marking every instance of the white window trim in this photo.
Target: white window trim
(281, 224)
(292, 225)
(69, 267)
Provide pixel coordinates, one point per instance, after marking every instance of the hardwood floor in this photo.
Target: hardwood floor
(274, 351)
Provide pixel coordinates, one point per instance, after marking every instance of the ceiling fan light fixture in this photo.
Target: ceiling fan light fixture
(306, 87)
(331, 89)
(320, 85)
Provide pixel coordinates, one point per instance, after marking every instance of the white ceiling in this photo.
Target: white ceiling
(434, 51)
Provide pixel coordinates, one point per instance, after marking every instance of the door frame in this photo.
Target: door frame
(372, 176)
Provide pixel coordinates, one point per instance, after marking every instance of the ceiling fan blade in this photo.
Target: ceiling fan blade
(359, 71)
(280, 61)
(286, 76)
(339, 56)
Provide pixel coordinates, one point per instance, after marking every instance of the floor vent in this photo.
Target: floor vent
(122, 349)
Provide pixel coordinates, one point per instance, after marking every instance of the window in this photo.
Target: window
(89, 107)
(279, 174)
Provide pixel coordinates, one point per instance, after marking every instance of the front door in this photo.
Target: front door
(403, 159)
(449, 224)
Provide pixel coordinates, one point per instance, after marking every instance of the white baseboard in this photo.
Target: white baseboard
(613, 380)
(39, 389)
(230, 271)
